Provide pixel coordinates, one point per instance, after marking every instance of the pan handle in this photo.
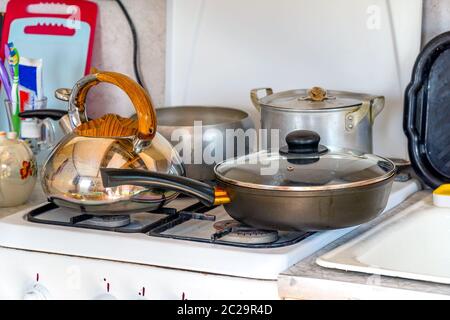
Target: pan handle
(255, 99)
(205, 193)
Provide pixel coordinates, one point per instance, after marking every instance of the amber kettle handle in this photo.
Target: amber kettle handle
(141, 100)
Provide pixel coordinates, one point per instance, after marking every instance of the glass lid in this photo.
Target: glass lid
(304, 165)
(313, 99)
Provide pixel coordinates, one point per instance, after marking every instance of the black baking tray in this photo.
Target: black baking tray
(427, 113)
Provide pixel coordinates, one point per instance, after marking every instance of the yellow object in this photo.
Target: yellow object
(441, 196)
(221, 200)
(218, 192)
(443, 190)
(221, 197)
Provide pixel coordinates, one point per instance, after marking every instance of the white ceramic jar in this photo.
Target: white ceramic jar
(18, 170)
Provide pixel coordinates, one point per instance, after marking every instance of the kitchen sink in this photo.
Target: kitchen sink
(413, 244)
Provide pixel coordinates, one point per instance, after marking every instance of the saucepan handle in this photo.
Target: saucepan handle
(255, 98)
(371, 107)
(205, 193)
(377, 105)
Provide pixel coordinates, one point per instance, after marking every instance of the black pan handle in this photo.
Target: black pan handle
(54, 114)
(148, 179)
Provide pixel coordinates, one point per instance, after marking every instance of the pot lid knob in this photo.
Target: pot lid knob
(317, 94)
(303, 142)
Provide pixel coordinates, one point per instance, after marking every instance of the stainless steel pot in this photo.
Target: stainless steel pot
(342, 119)
(177, 123)
(305, 186)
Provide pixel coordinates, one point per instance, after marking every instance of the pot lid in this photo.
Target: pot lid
(304, 165)
(313, 99)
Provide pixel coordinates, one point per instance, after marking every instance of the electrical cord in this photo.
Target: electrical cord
(137, 71)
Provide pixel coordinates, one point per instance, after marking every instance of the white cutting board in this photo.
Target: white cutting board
(220, 49)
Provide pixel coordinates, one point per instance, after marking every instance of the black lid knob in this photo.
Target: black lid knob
(303, 142)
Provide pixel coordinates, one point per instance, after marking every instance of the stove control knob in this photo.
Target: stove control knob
(105, 296)
(37, 292)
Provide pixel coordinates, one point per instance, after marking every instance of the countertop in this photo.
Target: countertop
(307, 280)
(36, 198)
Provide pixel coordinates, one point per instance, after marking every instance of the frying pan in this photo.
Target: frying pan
(283, 201)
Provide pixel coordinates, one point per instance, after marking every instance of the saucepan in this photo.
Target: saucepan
(303, 186)
(177, 124)
(343, 119)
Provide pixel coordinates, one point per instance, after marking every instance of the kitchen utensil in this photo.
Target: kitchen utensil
(71, 177)
(18, 171)
(174, 122)
(342, 119)
(426, 113)
(61, 34)
(304, 186)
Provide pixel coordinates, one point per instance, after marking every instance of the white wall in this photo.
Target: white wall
(436, 18)
(219, 50)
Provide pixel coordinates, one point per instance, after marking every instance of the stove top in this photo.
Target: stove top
(195, 222)
(185, 236)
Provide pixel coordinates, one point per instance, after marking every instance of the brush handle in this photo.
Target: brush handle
(5, 79)
(15, 104)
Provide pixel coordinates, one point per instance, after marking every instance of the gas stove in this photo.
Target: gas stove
(195, 222)
(183, 251)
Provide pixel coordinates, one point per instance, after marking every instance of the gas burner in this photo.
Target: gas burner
(225, 224)
(108, 221)
(234, 231)
(195, 222)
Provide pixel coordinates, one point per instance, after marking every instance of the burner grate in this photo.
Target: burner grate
(161, 224)
(123, 224)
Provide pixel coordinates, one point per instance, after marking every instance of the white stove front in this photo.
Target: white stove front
(35, 275)
(47, 261)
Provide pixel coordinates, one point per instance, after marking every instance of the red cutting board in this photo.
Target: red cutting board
(73, 10)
